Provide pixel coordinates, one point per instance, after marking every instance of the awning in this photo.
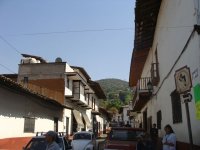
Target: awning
(78, 118)
(87, 121)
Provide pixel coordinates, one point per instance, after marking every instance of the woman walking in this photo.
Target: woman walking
(169, 140)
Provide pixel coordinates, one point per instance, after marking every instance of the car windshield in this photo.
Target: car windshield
(82, 136)
(40, 144)
(125, 135)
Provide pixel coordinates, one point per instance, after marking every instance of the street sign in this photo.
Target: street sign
(183, 80)
(183, 85)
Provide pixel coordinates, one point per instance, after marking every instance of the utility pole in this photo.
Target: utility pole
(186, 99)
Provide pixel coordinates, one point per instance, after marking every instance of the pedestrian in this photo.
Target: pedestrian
(154, 135)
(169, 139)
(51, 137)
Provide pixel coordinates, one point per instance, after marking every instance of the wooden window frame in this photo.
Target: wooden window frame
(29, 125)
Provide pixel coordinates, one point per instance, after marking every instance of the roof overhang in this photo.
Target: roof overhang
(137, 64)
(82, 70)
(14, 86)
(140, 102)
(97, 88)
(146, 13)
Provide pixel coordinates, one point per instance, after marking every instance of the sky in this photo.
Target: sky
(97, 35)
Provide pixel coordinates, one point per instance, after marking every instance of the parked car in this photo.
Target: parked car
(38, 142)
(84, 140)
(124, 138)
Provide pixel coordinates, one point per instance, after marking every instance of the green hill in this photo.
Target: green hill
(117, 92)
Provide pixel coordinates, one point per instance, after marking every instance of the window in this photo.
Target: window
(76, 89)
(92, 103)
(25, 81)
(176, 107)
(88, 99)
(82, 90)
(55, 124)
(159, 118)
(67, 83)
(125, 135)
(29, 125)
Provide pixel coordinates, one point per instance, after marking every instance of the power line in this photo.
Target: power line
(7, 68)
(77, 31)
(9, 44)
(183, 50)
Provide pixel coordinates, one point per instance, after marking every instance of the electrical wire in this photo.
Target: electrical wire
(7, 68)
(9, 44)
(184, 49)
(76, 31)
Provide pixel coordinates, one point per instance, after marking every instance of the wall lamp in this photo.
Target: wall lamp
(150, 87)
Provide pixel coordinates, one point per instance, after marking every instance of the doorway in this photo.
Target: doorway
(67, 126)
(145, 120)
(55, 124)
(149, 124)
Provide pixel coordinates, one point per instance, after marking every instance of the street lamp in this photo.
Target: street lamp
(150, 87)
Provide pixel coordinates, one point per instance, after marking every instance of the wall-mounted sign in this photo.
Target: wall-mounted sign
(196, 90)
(183, 80)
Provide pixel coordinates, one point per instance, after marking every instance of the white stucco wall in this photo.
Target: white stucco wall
(14, 107)
(68, 68)
(68, 90)
(175, 24)
(125, 115)
(67, 113)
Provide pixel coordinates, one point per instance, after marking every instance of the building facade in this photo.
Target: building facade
(167, 41)
(71, 86)
(24, 112)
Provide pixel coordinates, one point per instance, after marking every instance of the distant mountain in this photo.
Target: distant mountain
(117, 92)
(113, 85)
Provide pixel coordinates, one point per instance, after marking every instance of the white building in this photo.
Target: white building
(24, 112)
(126, 114)
(166, 41)
(69, 85)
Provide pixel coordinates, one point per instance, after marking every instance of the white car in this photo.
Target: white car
(83, 140)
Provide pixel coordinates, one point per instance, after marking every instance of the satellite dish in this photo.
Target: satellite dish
(58, 60)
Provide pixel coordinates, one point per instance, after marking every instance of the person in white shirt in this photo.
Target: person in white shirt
(169, 139)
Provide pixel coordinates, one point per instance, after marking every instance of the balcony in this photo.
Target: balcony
(142, 93)
(142, 85)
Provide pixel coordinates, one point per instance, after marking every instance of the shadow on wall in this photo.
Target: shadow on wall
(19, 106)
